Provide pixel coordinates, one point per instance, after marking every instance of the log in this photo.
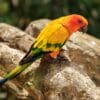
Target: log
(74, 76)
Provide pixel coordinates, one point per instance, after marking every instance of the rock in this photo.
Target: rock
(84, 49)
(14, 37)
(64, 80)
(35, 26)
(9, 57)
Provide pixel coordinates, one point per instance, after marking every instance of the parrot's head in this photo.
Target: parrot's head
(75, 23)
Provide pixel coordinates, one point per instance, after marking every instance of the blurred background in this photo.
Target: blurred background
(21, 12)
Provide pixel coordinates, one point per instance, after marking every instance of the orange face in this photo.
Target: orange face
(75, 23)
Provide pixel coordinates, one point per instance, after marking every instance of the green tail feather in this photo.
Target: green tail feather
(14, 73)
(25, 62)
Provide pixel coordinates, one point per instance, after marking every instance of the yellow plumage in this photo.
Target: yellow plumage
(54, 32)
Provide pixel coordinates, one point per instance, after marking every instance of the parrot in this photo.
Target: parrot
(49, 41)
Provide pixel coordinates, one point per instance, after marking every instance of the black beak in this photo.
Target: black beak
(83, 29)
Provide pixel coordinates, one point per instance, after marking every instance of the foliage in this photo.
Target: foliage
(21, 12)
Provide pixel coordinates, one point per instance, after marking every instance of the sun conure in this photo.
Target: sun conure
(50, 40)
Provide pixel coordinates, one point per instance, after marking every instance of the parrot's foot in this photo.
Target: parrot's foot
(63, 57)
(57, 55)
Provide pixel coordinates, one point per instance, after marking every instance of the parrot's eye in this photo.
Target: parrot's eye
(80, 21)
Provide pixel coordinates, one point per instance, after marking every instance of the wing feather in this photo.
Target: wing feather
(53, 33)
